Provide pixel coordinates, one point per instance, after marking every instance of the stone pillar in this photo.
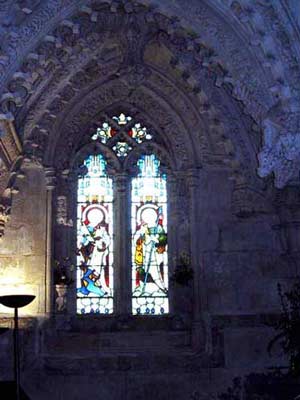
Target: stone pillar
(173, 217)
(198, 335)
(50, 178)
(287, 204)
(122, 259)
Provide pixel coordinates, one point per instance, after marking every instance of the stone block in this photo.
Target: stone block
(247, 346)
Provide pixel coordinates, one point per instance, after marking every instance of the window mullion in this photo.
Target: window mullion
(122, 244)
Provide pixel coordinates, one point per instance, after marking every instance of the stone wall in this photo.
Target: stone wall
(218, 82)
(240, 265)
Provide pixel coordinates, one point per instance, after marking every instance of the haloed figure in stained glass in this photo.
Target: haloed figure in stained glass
(95, 238)
(94, 249)
(150, 245)
(149, 239)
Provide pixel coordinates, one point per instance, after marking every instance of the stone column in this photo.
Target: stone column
(198, 334)
(50, 178)
(287, 204)
(122, 260)
(173, 217)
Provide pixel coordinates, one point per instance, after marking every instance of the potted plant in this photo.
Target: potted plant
(63, 277)
(183, 272)
(288, 326)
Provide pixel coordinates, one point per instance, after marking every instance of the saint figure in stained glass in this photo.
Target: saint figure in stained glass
(150, 245)
(149, 239)
(94, 239)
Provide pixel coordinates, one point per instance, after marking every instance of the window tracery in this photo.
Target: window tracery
(96, 230)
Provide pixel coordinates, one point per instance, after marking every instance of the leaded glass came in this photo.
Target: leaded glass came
(95, 239)
(149, 239)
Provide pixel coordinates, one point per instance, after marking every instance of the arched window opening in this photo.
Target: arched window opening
(149, 238)
(95, 238)
(117, 269)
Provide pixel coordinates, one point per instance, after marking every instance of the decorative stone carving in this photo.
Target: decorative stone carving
(62, 211)
(10, 146)
(50, 177)
(248, 201)
(4, 216)
(280, 153)
(61, 298)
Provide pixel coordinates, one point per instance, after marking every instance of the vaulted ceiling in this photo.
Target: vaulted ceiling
(218, 80)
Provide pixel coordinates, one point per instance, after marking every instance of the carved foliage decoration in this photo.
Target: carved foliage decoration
(57, 48)
(10, 160)
(280, 153)
(82, 31)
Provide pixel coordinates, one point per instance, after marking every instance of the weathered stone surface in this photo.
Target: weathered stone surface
(217, 85)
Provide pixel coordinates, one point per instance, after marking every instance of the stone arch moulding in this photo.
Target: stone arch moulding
(188, 115)
(75, 126)
(186, 43)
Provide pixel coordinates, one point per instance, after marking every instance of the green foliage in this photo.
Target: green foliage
(234, 392)
(288, 326)
(63, 272)
(183, 272)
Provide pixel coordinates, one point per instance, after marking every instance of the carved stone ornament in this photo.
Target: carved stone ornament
(209, 42)
(61, 297)
(193, 62)
(4, 216)
(280, 154)
(62, 211)
(50, 178)
(247, 201)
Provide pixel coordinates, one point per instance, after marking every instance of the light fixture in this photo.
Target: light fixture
(17, 301)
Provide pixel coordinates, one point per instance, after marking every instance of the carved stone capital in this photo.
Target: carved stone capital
(50, 178)
(121, 181)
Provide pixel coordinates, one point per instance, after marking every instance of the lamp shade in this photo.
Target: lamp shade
(16, 300)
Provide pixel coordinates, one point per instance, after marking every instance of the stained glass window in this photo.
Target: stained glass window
(122, 149)
(149, 239)
(126, 129)
(122, 119)
(104, 133)
(95, 232)
(95, 238)
(139, 133)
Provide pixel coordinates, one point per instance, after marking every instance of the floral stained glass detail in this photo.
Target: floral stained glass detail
(149, 239)
(122, 149)
(104, 133)
(122, 119)
(139, 133)
(95, 239)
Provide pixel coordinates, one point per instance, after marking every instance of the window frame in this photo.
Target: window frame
(122, 175)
